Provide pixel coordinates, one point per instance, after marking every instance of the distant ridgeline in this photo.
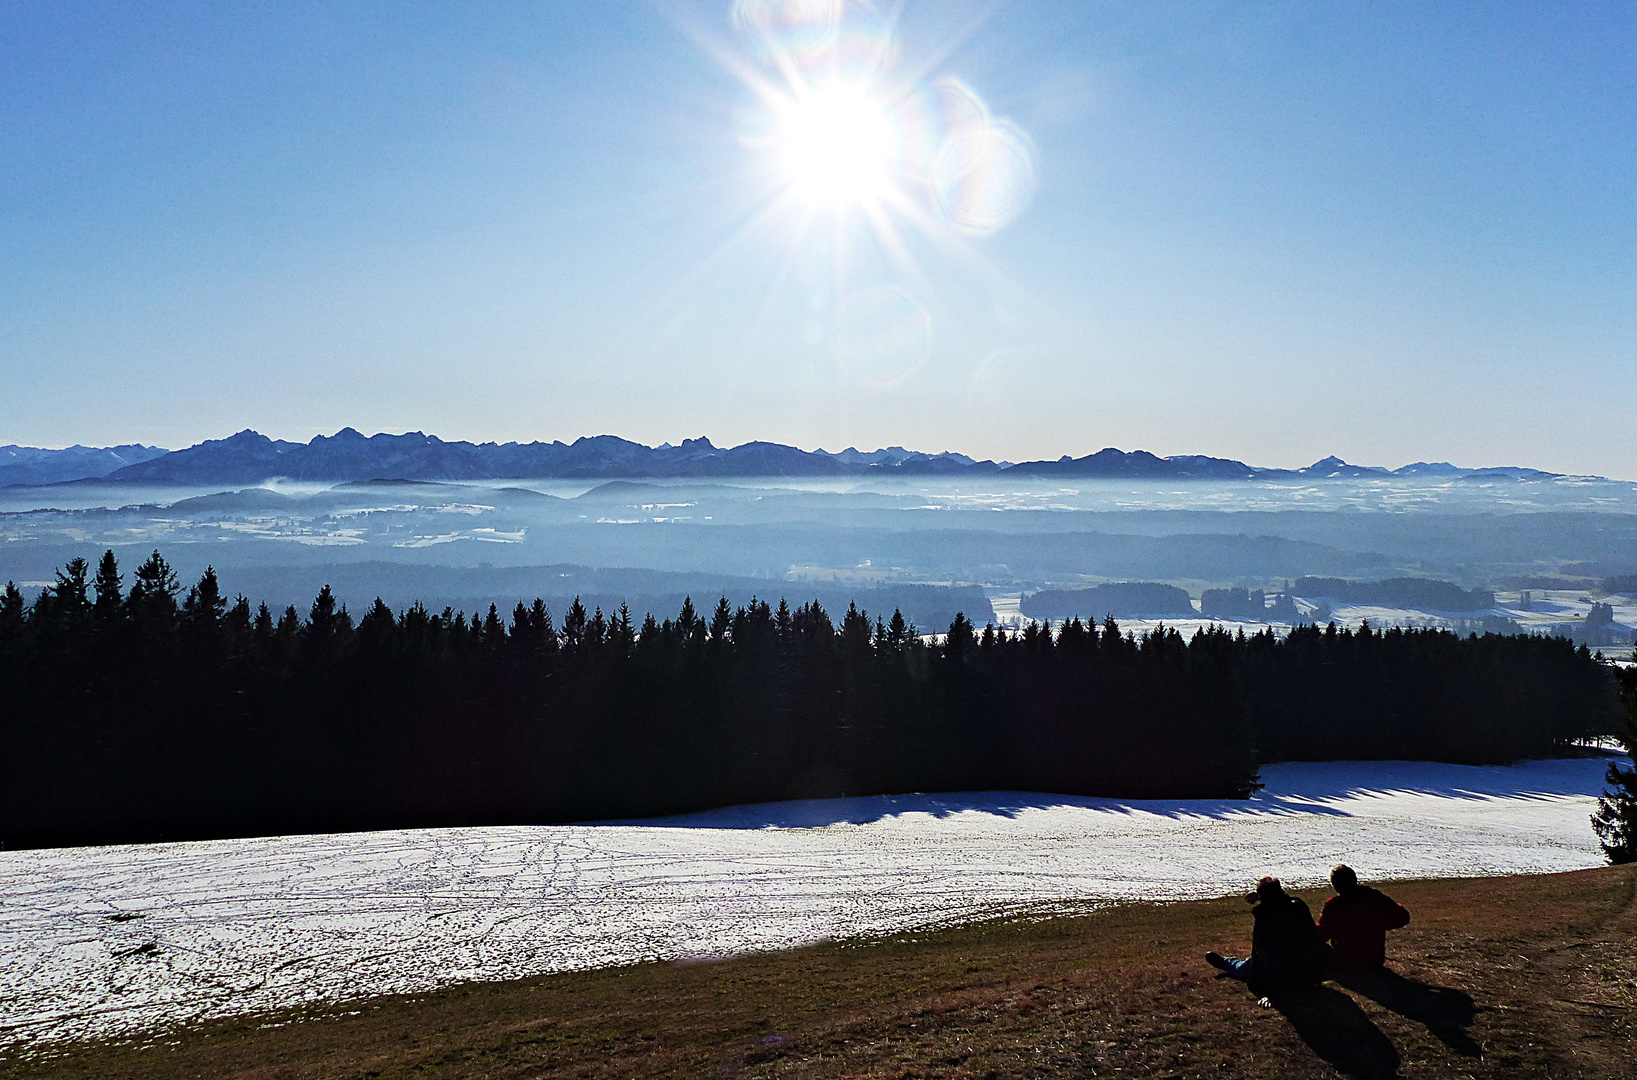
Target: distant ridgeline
(250, 457)
(150, 713)
(29, 465)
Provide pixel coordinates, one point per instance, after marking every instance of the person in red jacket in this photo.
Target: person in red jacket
(1355, 921)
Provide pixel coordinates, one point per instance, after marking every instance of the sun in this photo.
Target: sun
(836, 145)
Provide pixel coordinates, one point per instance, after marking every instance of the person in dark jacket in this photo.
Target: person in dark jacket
(1355, 921)
(1285, 952)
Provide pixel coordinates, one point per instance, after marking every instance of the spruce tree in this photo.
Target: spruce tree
(205, 605)
(238, 619)
(262, 629)
(326, 621)
(153, 592)
(71, 587)
(622, 636)
(721, 620)
(13, 607)
(574, 624)
(1616, 817)
(109, 597)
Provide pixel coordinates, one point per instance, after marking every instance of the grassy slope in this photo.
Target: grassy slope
(1506, 977)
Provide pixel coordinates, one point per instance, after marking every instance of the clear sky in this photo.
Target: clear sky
(1390, 231)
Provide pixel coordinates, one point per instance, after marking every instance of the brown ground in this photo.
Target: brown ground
(1498, 977)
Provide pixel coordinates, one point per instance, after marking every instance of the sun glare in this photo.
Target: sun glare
(841, 128)
(865, 164)
(836, 146)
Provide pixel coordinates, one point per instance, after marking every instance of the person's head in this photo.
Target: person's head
(1268, 889)
(1342, 878)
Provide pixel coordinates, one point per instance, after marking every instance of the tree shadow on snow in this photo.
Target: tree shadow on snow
(817, 813)
(1294, 788)
(1545, 779)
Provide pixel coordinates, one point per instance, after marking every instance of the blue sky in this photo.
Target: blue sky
(1273, 232)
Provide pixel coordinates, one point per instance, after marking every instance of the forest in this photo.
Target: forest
(1421, 593)
(156, 712)
(1122, 598)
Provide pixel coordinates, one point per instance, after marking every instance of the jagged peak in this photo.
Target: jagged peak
(350, 455)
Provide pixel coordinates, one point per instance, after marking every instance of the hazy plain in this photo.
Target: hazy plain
(653, 542)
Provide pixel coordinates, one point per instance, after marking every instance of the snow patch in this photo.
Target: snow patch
(100, 941)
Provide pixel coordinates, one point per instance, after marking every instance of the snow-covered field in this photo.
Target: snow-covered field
(104, 940)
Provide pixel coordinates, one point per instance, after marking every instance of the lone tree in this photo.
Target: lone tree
(1616, 817)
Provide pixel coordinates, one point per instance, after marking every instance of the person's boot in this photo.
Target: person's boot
(1217, 960)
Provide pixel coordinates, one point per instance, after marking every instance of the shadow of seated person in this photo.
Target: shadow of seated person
(1356, 922)
(1334, 1027)
(1445, 1011)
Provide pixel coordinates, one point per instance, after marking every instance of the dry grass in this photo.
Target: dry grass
(1502, 977)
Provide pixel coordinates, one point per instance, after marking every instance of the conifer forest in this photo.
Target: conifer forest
(150, 711)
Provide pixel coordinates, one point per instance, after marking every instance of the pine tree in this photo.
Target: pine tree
(377, 629)
(262, 630)
(289, 625)
(574, 625)
(543, 636)
(960, 643)
(109, 597)
(494, 632)
(1616, 817)
(622, 636)
(898, 631)
(12, 607)
(721, 621)
(238, 620)
(205, 604)
(71, 588)
(153, 592)
(326, 619)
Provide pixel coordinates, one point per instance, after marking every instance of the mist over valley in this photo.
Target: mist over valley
(413, 519)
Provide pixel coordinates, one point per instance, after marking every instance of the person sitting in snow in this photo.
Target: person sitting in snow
(1285, 953)
(1355, 921)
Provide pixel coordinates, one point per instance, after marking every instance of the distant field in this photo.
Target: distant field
(1497, 977)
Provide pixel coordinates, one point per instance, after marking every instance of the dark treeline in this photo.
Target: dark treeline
(1423, 593)
(1122, 598)
(150, 712)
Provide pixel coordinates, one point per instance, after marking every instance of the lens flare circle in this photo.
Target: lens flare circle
(982, 174)
(983, 178)
(883, 336)
(790, 29)
(836, 146)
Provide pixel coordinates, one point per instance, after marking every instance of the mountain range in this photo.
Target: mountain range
(250, 458)
(30, 465)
